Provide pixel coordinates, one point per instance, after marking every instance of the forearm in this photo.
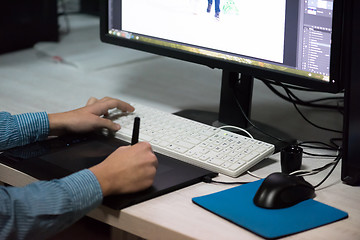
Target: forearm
(42, 209)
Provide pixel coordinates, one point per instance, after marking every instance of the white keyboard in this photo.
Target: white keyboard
(196, 143)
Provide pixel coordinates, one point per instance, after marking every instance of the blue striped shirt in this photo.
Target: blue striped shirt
(43, 208)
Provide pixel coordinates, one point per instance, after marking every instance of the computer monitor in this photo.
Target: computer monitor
(295, 42)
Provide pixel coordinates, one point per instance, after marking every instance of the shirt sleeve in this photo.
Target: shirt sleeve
(44, 208)
(18, 130)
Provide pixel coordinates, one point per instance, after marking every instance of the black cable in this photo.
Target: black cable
(325, 99)
(337, 160)
(250, 122)
(290, 86)
(287, 85)
(317, 170)
(327, 146)
(310, 103)
(307, 120)
(326, 166)
(289, 99)
(208, 179)
(332, 140)
(318, 155)
(324, 147)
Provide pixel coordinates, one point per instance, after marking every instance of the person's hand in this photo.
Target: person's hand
(128, 169)
(87, 118)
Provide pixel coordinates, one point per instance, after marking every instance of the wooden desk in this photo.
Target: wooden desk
(174, 216)
(30, 82)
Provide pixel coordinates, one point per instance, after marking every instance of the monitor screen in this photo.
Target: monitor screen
(293, 41)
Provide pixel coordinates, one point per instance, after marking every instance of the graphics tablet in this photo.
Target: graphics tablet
(59, 157)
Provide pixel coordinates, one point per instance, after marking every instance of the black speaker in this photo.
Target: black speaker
(24, 23)
(350, 173)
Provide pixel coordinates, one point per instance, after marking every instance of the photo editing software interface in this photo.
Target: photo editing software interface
(291, 36)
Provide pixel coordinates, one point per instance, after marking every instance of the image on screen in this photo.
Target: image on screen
(291, 36)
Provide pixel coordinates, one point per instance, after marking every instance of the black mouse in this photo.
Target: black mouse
(280, 190)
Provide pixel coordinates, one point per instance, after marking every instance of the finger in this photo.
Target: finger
(91, 100)
(124, 106)
(147, 146)
(106, 123)
(116, 103)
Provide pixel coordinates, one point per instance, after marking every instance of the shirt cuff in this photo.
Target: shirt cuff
(33, 127)
(85, 190)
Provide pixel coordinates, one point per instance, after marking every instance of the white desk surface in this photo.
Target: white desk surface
(31, 80)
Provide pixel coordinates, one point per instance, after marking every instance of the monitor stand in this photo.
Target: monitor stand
(231, 114)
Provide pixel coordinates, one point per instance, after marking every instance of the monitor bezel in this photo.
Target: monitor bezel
(333, 86)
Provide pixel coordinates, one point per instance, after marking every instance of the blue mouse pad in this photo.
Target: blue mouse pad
(236, 205)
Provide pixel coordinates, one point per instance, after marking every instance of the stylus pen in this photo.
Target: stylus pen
(136, 130)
